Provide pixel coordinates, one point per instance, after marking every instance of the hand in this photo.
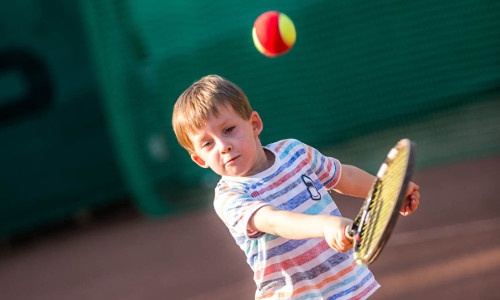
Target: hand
(411, 201)
(334, 233)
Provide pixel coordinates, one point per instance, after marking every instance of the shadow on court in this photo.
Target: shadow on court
(449, 249)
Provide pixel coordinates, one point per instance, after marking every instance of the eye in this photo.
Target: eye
(206, 144)
(229, 129)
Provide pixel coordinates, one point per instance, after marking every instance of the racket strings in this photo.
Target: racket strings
(385, 195)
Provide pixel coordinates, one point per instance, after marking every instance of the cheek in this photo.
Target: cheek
(211, 157)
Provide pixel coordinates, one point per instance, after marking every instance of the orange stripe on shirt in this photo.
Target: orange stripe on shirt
(282, 295)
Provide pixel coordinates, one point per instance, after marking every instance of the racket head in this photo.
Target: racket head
(376, 220)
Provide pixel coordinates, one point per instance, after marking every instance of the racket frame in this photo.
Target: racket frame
(353, 231)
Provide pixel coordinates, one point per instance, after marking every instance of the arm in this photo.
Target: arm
(356, 182)
(353, 182)
(297, 226)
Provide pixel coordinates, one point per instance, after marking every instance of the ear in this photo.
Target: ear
(199, 161)
(257, 123)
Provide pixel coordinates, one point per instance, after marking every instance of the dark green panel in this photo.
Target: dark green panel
(56, 154)
(357, 68)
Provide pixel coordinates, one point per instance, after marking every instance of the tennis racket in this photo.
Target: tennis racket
(373, 225)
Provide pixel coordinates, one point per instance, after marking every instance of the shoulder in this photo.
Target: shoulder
(235, 203)
(285, 145)
(229, 194)
(231, 186)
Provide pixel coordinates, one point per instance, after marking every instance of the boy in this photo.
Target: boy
(274, 199)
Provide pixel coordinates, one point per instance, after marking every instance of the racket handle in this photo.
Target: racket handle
(348, 232)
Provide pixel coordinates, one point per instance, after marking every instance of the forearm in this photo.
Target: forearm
(354, 182)
(296, 226)
(293, 225)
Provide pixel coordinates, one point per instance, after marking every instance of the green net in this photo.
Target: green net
(56, 155)
(361, 75)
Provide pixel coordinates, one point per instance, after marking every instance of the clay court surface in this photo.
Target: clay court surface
(449, 249)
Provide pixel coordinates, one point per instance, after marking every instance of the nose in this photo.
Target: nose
(225, 146)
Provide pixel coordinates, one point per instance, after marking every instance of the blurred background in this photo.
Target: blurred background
(86, 147)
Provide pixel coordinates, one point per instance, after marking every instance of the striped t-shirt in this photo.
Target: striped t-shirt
(298, 181)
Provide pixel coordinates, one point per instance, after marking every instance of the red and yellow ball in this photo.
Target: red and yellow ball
(273, 33)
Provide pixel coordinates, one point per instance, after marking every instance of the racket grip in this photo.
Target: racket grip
(348, 232)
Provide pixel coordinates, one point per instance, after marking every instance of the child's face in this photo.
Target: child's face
(230, 145)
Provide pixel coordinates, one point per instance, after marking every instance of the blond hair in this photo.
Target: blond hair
(201, 100)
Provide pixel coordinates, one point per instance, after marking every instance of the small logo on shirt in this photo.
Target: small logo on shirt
(315, 195)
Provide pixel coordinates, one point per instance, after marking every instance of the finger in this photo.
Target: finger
(411, 207)
(411, 188)
(416, 195)
(405, 212)
(414, 204)
(345, 247)
(345, 244)
(407, 208)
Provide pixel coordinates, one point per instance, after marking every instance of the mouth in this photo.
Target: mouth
(231, 160)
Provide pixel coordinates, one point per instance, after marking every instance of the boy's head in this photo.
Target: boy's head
(203, 99)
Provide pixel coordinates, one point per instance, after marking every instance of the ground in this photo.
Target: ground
(449, 249)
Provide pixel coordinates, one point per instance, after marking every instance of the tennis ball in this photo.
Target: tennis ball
(273, 33)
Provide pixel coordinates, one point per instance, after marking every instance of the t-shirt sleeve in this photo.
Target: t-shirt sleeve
(235, 207)
(328, 169)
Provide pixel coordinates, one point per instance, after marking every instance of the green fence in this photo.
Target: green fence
(361, 75)
(56, 155)
(357, 68)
